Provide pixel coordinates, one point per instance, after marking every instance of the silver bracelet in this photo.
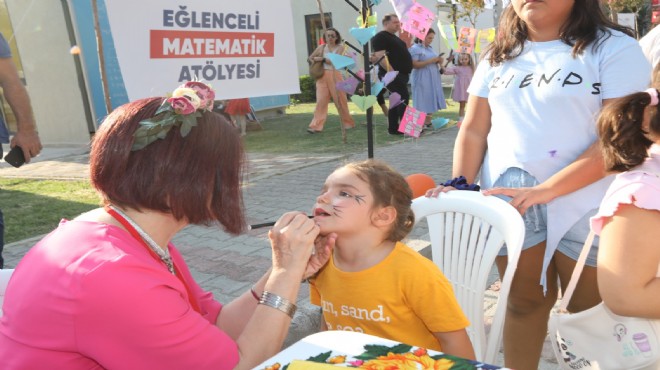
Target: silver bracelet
(273, 300)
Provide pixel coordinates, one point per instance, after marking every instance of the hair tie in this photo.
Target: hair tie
(654, 96)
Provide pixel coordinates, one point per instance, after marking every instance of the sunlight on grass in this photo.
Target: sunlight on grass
(34, 207)
(288, 134)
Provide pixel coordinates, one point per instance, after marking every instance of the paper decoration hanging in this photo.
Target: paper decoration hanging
(401, 7)
(466, 39)
(395, 99)
(353, 55)
(484, 38)
(372, 20)
(364, 102)
(412, 122)
(448, 33)
(389, 77)
(489, 4)
(439, 122)
(340, 61)
(417, 20)
(376, 87)
(363, 35)
(348, 85)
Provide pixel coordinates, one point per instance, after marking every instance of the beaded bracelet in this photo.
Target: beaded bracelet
(273, 300)
(460, 183)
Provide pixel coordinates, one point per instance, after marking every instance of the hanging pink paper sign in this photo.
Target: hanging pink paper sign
(412, 122)
(417, 21)
(348, 85)
(466, 39)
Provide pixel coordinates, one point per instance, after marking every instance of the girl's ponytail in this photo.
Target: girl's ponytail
(624, 143)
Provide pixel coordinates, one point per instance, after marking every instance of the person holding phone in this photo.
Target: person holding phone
(26, 137)
(428, 96)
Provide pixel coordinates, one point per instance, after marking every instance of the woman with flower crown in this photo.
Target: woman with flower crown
(108, 289)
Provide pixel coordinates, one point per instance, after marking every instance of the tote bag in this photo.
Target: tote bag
(316, 70)
(599, 339)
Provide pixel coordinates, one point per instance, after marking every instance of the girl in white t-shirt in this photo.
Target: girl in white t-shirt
(629, 217)
(529, 132)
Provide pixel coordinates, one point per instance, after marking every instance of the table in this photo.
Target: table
(330, 347)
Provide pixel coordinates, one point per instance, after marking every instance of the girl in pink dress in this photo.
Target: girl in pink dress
(628, 220)
(463, 76)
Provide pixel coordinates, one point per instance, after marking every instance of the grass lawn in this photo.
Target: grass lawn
(34, 207)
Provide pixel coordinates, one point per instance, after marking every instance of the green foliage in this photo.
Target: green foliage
(307, 90)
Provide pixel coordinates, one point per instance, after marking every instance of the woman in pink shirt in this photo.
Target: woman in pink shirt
(109, 290)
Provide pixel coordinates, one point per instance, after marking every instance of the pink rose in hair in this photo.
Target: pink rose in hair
(181, 105)
(205, 93)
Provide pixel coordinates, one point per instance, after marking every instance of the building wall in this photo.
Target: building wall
(49, 70)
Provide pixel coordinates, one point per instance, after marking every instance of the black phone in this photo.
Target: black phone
(15, 157)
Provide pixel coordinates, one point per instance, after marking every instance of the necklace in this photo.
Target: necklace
(163, 254)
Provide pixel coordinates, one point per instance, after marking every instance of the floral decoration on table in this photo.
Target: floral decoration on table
(400, 356)
(182, 108)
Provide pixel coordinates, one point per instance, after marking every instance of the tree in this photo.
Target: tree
(469, 10)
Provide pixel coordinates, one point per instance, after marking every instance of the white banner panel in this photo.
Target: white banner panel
(242, 48)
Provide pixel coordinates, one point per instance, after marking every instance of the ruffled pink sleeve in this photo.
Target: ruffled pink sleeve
(638, 188)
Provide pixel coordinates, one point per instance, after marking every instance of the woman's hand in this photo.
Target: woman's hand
(523, 198)
(292, 240)
(323, 246)
(433, 193)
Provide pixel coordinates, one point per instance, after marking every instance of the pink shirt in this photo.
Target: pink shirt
(640, 187)
(89, 296)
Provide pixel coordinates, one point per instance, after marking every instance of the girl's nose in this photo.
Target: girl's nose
(322, 198)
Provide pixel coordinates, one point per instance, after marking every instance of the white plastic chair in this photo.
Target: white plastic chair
(4, 280)
(467, 230)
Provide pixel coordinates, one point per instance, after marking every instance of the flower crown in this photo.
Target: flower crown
(183, 108)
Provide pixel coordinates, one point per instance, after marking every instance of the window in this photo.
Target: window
(314, 29)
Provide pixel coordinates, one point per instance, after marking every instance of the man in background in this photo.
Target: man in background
(397, 58)
(26, 135)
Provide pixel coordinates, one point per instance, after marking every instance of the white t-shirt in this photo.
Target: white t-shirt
(544, 105)
(650, 44)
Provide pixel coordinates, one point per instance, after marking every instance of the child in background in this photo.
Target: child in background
(373, 283)
(628, 220)
(463, 76)
(237, 109)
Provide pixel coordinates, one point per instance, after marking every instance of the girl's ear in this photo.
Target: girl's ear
(384, 216)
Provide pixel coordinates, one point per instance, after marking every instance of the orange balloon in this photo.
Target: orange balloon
(420, 183)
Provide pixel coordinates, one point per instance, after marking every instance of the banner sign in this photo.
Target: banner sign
(242, 48)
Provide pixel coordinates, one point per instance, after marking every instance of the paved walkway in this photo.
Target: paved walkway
(228, 265)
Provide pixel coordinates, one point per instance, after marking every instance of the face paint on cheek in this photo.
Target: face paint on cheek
(337, 210)
(359, 199)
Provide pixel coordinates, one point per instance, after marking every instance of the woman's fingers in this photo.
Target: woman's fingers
(433, 193)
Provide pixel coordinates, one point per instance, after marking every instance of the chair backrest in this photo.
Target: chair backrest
(467, 230)
(4, 280)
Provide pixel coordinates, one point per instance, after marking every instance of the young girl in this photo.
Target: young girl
(629, 217)
(373, 283)
(463, 72)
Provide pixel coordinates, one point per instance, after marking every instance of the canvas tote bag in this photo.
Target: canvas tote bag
(599, 339)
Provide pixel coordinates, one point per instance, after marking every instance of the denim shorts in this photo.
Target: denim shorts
(536, 217)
